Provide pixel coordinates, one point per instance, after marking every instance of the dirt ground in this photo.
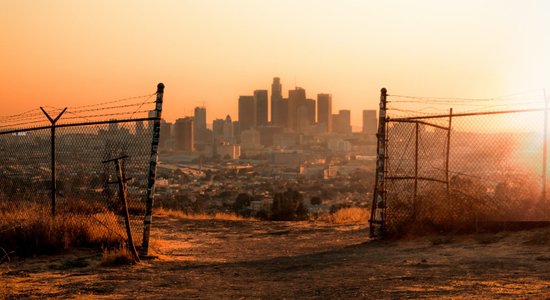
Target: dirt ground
(216, 259)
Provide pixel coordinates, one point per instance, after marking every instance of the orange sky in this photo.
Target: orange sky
(63, 53)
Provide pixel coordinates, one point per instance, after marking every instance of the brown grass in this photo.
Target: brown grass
(117, 257)
(183, 215)
(349, 215)
(31, 230)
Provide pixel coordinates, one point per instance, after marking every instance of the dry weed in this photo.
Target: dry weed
(31, 230)
(117, 257)
(350, 215)
(183, 215)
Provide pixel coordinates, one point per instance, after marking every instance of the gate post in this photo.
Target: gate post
(378, 206)
(144, 251)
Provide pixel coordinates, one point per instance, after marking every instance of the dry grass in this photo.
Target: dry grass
(31, 230)
(349, 215)
(117, 257)
(183, 215)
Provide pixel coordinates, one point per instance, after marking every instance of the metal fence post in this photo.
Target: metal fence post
(53, 163)
(545, 152)
(417, 128)
(144, 251)
(378, 207)
(448, 154)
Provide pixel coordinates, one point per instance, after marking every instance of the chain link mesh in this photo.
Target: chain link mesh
(82, 143)
(494, 171)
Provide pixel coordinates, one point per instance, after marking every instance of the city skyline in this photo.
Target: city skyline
(65, 53)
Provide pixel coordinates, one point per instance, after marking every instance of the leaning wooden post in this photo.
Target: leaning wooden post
(53, 160)
(448, 155)
(144, 251)
(121, 182)
(378, 206)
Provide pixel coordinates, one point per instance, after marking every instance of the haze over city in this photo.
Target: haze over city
(210, 52)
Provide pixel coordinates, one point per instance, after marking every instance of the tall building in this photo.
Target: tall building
(310, 106)
(228, 129)
(324, 112)
(183, 131)
(200, 117)
(369, 122)
(200, 132)
(217, 129)
(278, 111)
(296, 98)
(341, 123)
(260, 99)
(247, 112)
(165, 134)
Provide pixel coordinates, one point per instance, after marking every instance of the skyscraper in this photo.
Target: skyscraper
(296, 98)
(324, 112)
(278, 110)
(342, 121)
(260, 98)
(310, 106)
(369, 122)
(217, 129)
(200, 117)
(247, 112)
(228, 129)
(183, 129)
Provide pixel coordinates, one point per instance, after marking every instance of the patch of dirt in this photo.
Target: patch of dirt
(216, 259)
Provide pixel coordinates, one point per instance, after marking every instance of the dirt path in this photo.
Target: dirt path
(214, 259)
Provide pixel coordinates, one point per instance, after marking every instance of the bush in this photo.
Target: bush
(289, 206)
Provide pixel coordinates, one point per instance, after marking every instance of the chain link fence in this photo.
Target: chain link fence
(78, 142)
(459, 171)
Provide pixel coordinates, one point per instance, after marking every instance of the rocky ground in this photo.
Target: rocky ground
(217, 259)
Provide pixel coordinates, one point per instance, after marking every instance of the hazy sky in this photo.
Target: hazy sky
(78, 52)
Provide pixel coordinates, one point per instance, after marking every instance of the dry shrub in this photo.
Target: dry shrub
(30, 230)
(183, 215)
(117, 257)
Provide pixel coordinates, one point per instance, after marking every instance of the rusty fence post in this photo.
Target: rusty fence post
(378, 206)
(149, 197)
(53, 160)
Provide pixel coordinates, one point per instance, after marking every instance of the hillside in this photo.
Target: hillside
(216, 259)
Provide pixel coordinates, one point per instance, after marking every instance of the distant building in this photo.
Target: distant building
(339, 145)
(278, 104)
(310, 104)
(217, 129)
(165, 134)
(228, 129)
(267, 135)
(228, 151)
(341, 123)
(296, 99)
(199, 118)
(202, 135)
(260, 99)
(250, 139)
(369, 122)
(183, 131)
(247, 112)
(324, 112)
